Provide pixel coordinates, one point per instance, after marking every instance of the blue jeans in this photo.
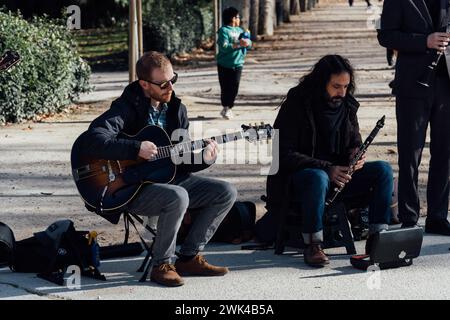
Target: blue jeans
(310, 188)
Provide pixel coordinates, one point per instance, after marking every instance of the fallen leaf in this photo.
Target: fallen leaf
(391, 151)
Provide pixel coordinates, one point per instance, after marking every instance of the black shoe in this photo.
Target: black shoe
(441, 227)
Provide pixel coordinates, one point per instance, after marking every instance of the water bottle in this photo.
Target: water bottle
(245, 35)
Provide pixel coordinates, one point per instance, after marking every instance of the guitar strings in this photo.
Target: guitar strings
(190, 146)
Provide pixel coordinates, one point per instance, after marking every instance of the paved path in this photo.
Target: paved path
(37, 187)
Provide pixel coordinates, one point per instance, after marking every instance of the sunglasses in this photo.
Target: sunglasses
(165, 84)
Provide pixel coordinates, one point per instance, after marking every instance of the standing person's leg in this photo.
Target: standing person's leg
(210, 200)
(412, 121)
(350, 3)
(227, 88)
(438, 175)
(309, 189)
(235, 85)
(223, 81)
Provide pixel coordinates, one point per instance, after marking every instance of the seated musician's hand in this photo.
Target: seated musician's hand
(361, 161)
(211, 151)
(339, 175)
(148, 150)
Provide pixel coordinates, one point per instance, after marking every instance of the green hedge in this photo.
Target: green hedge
(49, 77)
(173, 26)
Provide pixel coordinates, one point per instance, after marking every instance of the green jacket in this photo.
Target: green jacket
(228, 56)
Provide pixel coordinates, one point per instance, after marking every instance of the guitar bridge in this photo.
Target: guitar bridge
(111, 175)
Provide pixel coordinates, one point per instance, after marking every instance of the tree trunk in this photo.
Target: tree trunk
(303, 5)
(267, 17)
(245, 14)
(286, 10)
(254, 18)
(279, 12)
(295, 7)
(275, 13)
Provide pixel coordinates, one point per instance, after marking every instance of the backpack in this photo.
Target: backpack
(49, 253)
(7, 245)
(236, 227)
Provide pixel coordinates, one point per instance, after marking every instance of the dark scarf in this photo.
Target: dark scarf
(330, 123)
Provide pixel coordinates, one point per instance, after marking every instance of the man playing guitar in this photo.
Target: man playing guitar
(152, 101)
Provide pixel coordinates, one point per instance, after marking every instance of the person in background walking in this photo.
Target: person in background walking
(369, 5)
(233, 43)
(350, 2)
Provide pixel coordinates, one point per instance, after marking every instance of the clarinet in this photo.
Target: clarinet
(362, 149)
(426, 78)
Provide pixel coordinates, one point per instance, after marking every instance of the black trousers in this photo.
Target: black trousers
(413, 116)
(350, 2)
(229, 80)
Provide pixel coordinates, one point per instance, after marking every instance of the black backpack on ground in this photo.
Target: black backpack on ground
(236, 227)
(7, 245)
(51, 252)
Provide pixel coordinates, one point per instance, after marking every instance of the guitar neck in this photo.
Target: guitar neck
(191, 146)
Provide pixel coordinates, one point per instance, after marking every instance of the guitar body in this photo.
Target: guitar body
(111, 184)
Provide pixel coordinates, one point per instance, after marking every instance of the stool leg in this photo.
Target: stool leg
(281, 235)
(346, 233)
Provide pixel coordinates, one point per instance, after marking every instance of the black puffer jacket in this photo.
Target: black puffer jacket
(297, 141)
(129, 114)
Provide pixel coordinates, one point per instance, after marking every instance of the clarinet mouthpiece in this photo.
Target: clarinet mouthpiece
(380, 122)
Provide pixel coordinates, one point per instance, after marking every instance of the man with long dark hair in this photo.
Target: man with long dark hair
(417, 30)
(318, 135)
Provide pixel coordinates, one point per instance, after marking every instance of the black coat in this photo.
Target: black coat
(297, 141)
(129, 114)
(405, 26)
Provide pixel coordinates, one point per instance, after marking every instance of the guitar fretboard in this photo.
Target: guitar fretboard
(191, 146)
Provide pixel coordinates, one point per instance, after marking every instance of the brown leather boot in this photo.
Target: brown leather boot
(314, 255)
(166, 275)
(198, 266)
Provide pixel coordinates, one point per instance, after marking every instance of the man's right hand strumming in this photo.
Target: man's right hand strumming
(339, 175)
(148, 150)
(438, 41)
